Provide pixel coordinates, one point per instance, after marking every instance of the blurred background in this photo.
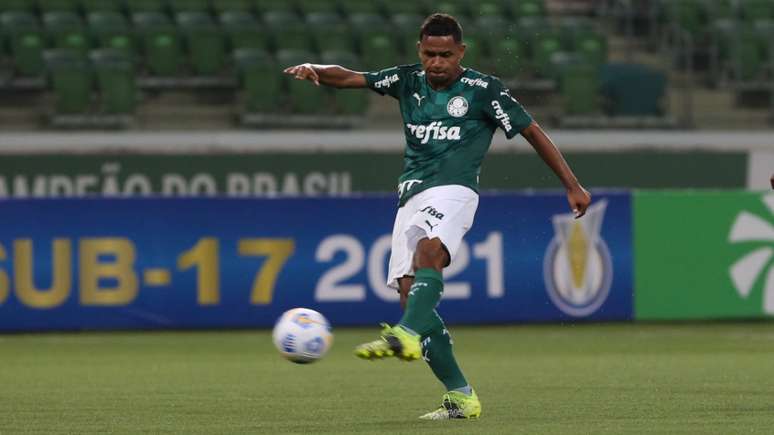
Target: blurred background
(215, 64)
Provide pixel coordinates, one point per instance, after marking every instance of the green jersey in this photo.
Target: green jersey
(448, 132)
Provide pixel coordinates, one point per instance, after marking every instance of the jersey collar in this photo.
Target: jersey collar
(450, 85)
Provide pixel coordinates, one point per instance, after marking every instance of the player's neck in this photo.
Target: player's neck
(451, 81)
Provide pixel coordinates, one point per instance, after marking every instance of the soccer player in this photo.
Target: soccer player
(450, 114)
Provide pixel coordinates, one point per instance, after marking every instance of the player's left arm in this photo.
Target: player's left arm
(578, 197)
(508, 114)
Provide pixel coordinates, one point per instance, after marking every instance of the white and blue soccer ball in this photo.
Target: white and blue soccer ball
(302, 335)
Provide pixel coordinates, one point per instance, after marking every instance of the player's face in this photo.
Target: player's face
(440, 57)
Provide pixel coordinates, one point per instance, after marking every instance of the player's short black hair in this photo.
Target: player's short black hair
(439, 24)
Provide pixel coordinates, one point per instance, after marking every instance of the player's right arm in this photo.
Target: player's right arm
(330, 75)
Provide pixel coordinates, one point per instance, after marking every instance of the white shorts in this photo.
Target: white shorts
(445, 212)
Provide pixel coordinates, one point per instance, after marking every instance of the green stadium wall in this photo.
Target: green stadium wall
(343, 173)
(703, 255)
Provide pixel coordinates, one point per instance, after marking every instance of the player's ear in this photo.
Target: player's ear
(462, 48)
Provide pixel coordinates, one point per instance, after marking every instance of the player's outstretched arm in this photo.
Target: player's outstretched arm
(330, 75)
(578, 197)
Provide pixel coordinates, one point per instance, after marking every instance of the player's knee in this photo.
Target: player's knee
(431, 253)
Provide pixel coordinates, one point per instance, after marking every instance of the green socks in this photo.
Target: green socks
(420, 317)
(423, 297)
(437, 351)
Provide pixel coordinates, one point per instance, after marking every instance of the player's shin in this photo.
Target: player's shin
(437, 352)
(423, 296)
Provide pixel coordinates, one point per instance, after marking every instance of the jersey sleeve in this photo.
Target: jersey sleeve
(504, 110)
(388, 81)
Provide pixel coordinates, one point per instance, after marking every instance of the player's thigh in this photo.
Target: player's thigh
(401, 252)
(444, 215)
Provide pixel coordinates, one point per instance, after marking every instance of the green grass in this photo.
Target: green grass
(615, 379)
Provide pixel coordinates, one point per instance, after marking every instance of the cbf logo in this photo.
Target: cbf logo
(577, 267)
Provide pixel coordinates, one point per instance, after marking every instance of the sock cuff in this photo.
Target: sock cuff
(428, 273)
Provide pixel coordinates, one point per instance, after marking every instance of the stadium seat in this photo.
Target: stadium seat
(592, 47)
(70, 79)
(66, 30)
(543, 50)
(580, 89)
(570, 27)
(26, 42)
(160, 43)
(204, 40)
(509, 57)
(378, 46)
(626, 100)
(17, 6)
(287, 31)
(722, 9)
(407, 26)
(346, 59)
(307, 7)
(141, 6)
(347, 101)
(304, 97)
(243, 30)
(453, 8)
(689, 15)
(529, 8)
(260, 80)
(491, 30)
(394, 7)
(379, 50)
(363, 22)
(115, 80)
(528, 29)
(750, 52)
(754, 10)
(101, 5)
(330, 32)
(488, 8)
(179, 6)
(475, 54)
(222, 6)
(351, 7)
(110, 29)
(265, 6)
(58, 6)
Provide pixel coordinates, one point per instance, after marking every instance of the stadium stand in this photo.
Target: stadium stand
(555, 54)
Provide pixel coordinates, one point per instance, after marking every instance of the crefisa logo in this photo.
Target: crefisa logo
(577, 267)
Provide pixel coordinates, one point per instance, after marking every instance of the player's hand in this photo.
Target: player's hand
(579, 199)
(305, 71)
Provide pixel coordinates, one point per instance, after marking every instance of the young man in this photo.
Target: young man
(450, 115)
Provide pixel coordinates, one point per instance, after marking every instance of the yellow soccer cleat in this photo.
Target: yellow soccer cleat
(394, 341)
(456, 405)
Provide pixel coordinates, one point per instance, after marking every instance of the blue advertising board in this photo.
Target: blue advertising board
(213, 262)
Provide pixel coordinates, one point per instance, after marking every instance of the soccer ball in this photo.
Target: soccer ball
(302, 335)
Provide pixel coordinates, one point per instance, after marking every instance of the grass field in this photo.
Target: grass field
(598, 379)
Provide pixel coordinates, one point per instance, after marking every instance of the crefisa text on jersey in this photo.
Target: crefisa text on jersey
(477, 82)
(502, 116)
(387, 81)
(435, 131)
